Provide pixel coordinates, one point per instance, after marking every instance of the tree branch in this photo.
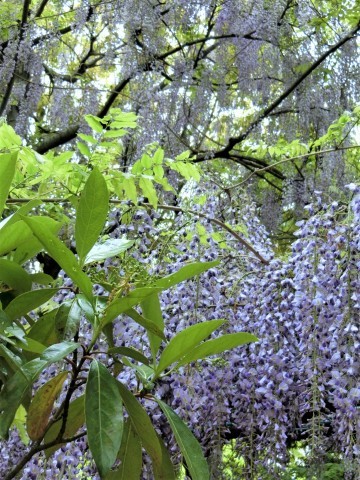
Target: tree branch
(224, 153)
(10, 85)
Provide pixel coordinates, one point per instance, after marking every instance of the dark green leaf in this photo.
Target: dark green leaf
(44, 330)
(86, 307)
(152, 310)
(129, 352)
(28, 301)
(91, 213)
(166, 471)
(130, 455)
(217, 345)
(41, 406)
(121, 305)
(188, 444)
(67, 319)
(104, 418)
(14, 276)
(185, 273)
(62, 255)
(146, 323)
(185, 341)
(17, 387)
(142, 425)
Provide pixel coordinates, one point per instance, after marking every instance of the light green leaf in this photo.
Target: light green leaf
(188, 444)
(110, 248)
(31, 246)
(149, 191)
(83, 149)
(94, 123)
(104, 417)
(7, 171)
(217, 345)
(24, 303)
(114, 133)
(129, 187)
(20, 422)
(142, 425)
(8, 137)
(185, 341)
(13, 235)
(41, 406)
(62, 255)
(87, 138)
(91, 213)
(23, 210)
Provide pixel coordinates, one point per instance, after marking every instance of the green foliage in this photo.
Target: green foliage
(36, 332)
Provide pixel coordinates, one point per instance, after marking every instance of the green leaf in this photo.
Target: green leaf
(13, 235)
(152, 310)
(130, 455)
(188, 444)
(44, 330)
(75, 420)
(129, 187)
(41, 406)
(87, 138)
(31, 246)
(94, 123)
(8, 137)
(149, 325)
(149, 191)
(67, 319)
(185, 273)
(24, 303)
(14, 276)
(91, 213)
(217, 345)
(185, 341)
(121, 305)
(23, 210)
(142, 425)
(17, 387)
(110, 248)
(20, 422)
(57, 352)
(166, 471)
(83, 149)
(114, 133)
(7, 171)
(129, 352)
(104, 417)
(62, 255)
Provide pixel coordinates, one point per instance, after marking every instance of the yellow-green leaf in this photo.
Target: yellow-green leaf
(41, 406)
